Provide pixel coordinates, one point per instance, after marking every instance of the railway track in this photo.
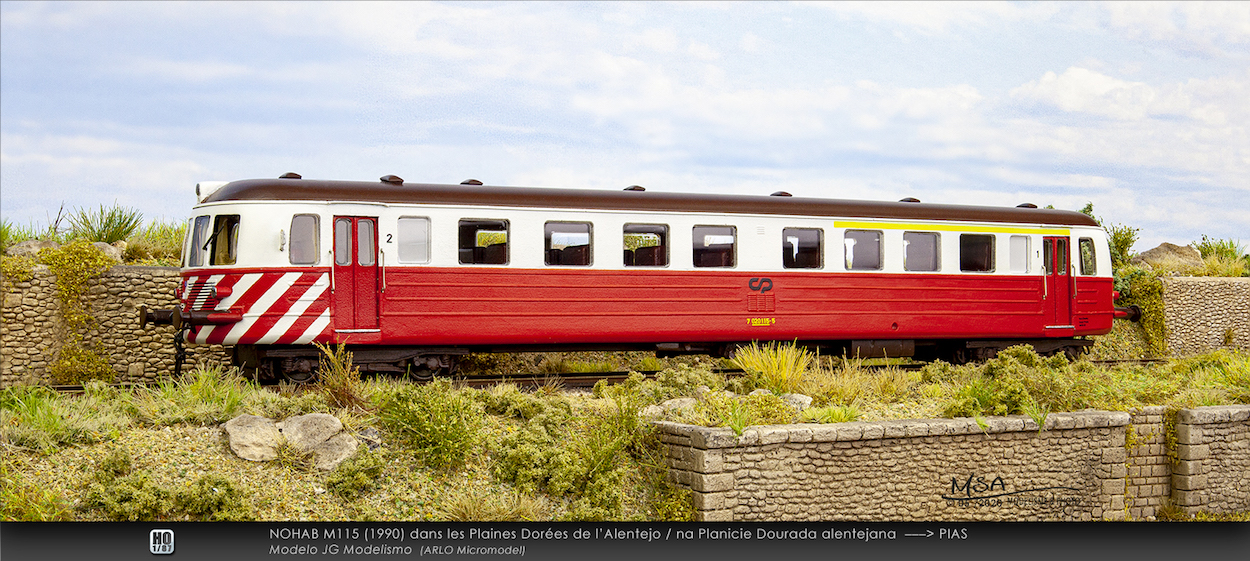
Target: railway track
(583, 380)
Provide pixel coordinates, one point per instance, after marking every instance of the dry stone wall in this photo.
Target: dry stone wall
(1206, 313)
(31, 329)
(1077, 468)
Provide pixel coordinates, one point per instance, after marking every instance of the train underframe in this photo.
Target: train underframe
(299, 363)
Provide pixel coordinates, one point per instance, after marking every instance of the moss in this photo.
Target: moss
(1144, 289)
(213, 497)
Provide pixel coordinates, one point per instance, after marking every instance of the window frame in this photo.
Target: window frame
(400, 239)
(552, 227)
(664, 244)
(1082, 243)
(849, 264)
(485, 225)
(315, 240)
(792, 263)
(695, 236)
(1028, 254)
(937, 251)
(992, 253)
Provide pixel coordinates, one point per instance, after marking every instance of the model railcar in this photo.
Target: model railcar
(410, 276)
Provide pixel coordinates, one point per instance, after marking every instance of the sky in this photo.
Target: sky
(1139, 107)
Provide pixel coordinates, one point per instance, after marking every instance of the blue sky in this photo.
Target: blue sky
(1140, 108)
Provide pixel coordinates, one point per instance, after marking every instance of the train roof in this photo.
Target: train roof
(392, 190)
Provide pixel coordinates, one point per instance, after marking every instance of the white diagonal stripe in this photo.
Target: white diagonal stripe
(305, 300)
(315, 329)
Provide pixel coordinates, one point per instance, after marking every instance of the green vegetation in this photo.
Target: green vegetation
(440, 423)
(158, 243)
(108, 225)
(774, 366)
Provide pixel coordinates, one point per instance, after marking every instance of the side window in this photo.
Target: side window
(801, 248)
(920, 251)
(976, 253)
(483, 242)
(863, 249)
(199, 235)
(646, 245)
(714, 246)
(305, 246)
(414, 239)
(567, 243)
(1019, 254)
(225, 240)
(1089, 265)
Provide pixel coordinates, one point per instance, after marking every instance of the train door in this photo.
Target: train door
(355, 274)
(1058, 287)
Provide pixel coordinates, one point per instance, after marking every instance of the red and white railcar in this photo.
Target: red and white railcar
(410, 275)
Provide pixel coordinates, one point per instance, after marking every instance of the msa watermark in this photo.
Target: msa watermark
(161, 542)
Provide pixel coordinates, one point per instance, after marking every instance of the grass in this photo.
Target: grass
(777, 367)
(158, 243)
(504, 454)
(108, 225)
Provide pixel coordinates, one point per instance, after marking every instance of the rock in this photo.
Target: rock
(109, 251)
(1169, 256)
(306, 432)
(797, 400)
(651, 413)
(760, 391)
(677, 405)
(253, 438)
(702, 393)
(371, 437)
(329, 454)
(30, 247)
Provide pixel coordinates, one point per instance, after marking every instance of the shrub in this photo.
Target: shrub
(213, 497)
(11, 233)
(474, 504)
(159, 243)
(777, 367)
(130, 497)
(720, 410)
(440, 423)
(105, 225)
(831, 414)
(337, 379)
(356, 476)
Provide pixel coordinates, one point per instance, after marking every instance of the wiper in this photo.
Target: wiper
(213, 237)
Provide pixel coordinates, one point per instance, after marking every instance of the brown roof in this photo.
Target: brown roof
(419, 193)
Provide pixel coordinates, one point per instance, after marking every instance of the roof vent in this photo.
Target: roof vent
(635, 188)
(909, 200)
(392, 179)
(781, 194)
(290, 175)
(1026, 205)
(205, 188)
(470, 182)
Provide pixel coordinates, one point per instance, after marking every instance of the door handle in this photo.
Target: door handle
(331, 253)
(383, 263)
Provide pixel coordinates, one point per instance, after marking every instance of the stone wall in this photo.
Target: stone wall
(1077, 468)
(31, 329)
(1206, 313)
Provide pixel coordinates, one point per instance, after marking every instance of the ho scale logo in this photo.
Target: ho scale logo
(161, 542)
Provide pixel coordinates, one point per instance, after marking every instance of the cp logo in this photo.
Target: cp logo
(761, 284)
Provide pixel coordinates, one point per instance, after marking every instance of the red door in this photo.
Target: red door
(1058, 289)
(355, 274)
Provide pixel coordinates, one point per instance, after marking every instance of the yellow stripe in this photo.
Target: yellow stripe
(951, 228)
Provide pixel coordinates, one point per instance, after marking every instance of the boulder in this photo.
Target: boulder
(253, 438)
(329, 454)
(797, 401)
(760, 391)
(30, 247)
(677, 405)
(306, 432)
(110, 251)
(1170, 257)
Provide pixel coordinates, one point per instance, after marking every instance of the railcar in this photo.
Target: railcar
(410, 276)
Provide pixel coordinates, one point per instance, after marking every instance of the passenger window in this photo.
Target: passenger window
(225, 240)
(1019, 254)
(646, 245)
(863, 249)
(304, 240)
(801, 248)
(199, 237)
(1089, 266)
(920, 251)
(567, 243)
(976, 253)
(714, 246)
(414, 239)
(484, 242)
